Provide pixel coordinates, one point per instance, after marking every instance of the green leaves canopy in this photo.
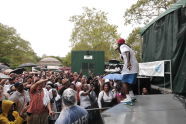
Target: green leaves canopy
(144, 11)
(135, 41)
(93, 32)
(13, 49)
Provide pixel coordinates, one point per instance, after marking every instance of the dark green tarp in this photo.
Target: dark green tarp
(165, 39)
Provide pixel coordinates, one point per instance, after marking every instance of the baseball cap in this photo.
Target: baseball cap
(17, 84)
(120, 41)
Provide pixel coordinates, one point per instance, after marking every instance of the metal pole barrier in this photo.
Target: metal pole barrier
(164, 78)
(90, 109)
(138, 86)
(171, 75)
(98, 109)
(164, 85)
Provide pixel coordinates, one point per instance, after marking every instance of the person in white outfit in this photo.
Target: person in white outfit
(106, 96)
(130, 69)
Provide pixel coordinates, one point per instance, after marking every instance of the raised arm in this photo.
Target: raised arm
(87, 92)
(34, 86)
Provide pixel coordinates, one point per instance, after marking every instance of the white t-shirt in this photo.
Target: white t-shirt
(20, 99)
(84, 100)
(134, 69)
(105, 97)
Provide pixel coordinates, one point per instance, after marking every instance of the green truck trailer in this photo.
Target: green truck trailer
(88, 62)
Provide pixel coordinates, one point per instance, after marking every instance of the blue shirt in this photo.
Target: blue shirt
(73, 115)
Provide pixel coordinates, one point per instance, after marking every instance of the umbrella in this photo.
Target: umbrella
(3, 67)
(3, 76)
(27, 65)
(114, 77)
(18, 70)
(8, 71)
(58, 70)
(44, 69)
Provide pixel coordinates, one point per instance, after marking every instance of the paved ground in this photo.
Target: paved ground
(149, 109)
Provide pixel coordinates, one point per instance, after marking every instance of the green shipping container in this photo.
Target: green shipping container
(88, 62)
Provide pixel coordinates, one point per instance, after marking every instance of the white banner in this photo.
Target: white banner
(155, 68)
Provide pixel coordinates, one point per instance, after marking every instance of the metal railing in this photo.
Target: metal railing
(165, 90)
(91, 109)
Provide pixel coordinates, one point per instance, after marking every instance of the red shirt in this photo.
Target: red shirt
(36, 103)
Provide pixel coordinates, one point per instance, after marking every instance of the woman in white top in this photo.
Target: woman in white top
(106, 96)
(84, 96)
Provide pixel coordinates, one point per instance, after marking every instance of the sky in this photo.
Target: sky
(45, 23)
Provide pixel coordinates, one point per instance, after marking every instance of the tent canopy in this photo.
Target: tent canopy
(165, 39)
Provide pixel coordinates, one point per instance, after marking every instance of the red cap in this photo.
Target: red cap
(120, 41)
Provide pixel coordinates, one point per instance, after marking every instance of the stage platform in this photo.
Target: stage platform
(149, 109)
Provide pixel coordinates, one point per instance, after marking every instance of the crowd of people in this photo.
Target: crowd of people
(39, 97)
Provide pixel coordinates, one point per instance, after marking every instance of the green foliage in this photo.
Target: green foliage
(135, 41)
(145, 10)
(13, 49)
(93, 32)
(67, 60)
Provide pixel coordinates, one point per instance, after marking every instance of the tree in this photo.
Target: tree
(13, 49)
(66, 61)
(135, 41)
(144, 11)
(93, 32)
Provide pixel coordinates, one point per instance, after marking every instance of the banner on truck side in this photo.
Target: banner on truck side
(155, 68)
